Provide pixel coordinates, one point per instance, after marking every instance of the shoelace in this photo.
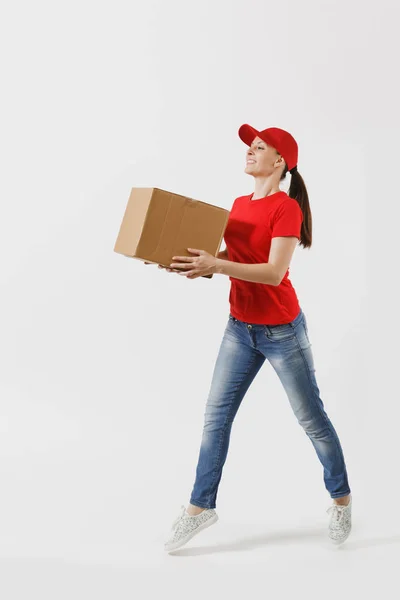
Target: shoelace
(337, 511)
(178, 518)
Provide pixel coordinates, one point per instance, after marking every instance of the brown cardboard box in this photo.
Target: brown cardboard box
(158, 225)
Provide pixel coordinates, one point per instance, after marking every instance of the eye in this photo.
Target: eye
(260, 147)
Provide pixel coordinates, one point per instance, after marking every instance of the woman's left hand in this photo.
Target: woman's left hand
(196, 266)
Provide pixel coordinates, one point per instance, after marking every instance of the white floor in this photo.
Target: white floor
(86, 504)
(282, 552)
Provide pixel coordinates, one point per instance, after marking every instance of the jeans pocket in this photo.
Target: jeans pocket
(280, 333)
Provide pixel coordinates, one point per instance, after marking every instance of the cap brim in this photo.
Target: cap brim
(247, 134)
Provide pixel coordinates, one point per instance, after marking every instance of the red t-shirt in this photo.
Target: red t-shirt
(251, 226)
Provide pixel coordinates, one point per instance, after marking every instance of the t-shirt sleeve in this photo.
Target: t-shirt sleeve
(287, 219)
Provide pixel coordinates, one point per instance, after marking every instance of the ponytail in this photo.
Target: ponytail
(298, 192)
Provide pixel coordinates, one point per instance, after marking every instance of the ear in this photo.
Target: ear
(279, 162)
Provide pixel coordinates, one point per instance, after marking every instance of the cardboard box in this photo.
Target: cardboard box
(158, 225)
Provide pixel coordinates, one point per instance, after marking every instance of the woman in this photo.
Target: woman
(265, 321)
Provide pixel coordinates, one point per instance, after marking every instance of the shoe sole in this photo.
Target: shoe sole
(184, 540)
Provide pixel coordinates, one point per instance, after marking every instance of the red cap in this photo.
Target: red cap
(279, 139)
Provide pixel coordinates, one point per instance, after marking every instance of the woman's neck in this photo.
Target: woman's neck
(265, 187)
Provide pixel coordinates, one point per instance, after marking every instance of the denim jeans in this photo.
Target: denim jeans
(242, 352)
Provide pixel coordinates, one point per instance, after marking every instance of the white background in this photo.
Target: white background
(106, 363)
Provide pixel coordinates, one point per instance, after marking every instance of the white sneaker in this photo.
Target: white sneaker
(186, 526)
(340, 522)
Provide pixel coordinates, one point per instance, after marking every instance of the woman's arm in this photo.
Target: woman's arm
(270, 273)
(257, 273)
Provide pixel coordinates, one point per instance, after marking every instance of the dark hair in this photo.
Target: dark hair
(298, 191)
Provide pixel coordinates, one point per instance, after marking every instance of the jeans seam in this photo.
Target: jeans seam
(313, 394)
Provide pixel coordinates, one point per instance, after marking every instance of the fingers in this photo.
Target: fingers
(168, 269)
(162, 267)
(159, 266)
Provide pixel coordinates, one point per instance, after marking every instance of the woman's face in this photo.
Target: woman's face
(262, 160)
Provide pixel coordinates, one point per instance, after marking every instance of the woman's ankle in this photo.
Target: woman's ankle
(194, 510)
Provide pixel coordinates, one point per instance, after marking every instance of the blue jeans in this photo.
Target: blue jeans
(243, 350)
